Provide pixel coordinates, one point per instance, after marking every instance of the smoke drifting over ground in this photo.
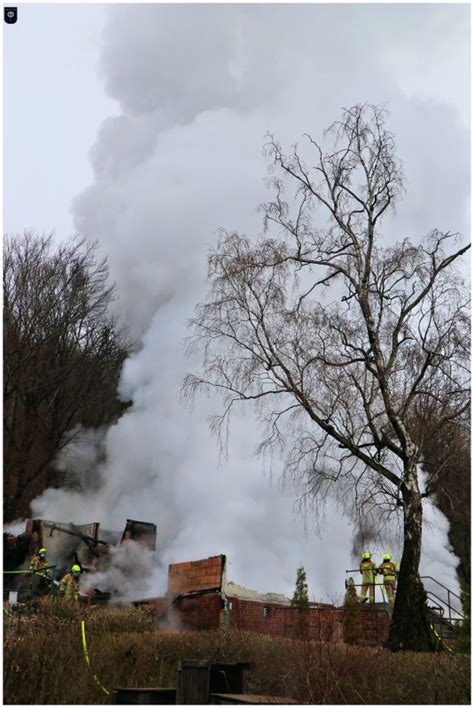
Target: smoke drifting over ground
(198, 87)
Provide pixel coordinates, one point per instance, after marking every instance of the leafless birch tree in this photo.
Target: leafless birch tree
(338, 338)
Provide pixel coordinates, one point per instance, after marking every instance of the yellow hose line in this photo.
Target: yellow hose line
(33, 571)
(382, 589)
(84, 644)
(15, 572)
(446, 646)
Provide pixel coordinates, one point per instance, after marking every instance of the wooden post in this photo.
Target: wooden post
(193, 682)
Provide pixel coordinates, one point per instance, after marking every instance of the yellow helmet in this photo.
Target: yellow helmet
(76, 569)
(387, 556)
(42, 552)
(366, 556)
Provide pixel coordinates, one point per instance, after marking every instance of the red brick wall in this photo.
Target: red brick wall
(205, 611)
(375, 626)
(322, 623)
(200, 611)
(196, 576)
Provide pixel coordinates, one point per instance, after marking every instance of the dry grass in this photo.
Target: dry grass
(44, 662)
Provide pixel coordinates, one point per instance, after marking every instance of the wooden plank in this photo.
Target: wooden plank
(193, 682)
(144, 696)
(248, 699)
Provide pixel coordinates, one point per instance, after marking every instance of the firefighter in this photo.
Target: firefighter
(40, 573)
(38, 562)
(69, 586)
(368, 570)
(389, 570)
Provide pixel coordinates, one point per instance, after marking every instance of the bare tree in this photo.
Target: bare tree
(338, 339)
(62, 357)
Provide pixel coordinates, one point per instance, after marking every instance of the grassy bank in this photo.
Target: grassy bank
(44, 662)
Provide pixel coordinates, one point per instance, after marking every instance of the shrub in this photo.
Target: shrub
(463, 642)
(351, 617)
(44, 662)
(300, 601)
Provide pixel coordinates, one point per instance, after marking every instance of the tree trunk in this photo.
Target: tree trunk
(410, 629)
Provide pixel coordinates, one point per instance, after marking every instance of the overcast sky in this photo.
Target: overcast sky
(142, 126)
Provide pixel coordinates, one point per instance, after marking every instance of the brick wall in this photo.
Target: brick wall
(199, 611)
(280, 620)
(206, 611)
(375, 625)
(196, 576)
(198, 604)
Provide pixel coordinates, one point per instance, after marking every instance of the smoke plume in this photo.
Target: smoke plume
(130, 574)
(197, 88)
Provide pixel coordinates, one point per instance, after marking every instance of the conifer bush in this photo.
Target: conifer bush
(300, 600)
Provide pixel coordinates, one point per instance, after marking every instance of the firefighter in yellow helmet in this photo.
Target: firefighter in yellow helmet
(368, 570)
(69, 586)
(39, 563)
(389, 570)
(40, 573)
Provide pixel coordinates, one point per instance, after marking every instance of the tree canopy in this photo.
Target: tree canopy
(63, 355)
(340, 339)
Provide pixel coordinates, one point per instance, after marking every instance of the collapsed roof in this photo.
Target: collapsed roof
(68, 543)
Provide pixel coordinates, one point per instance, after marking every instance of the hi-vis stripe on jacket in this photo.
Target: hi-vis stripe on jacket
(389, 570)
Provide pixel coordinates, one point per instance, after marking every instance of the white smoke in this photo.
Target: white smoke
(79, 459)
(132, 573)
(438, 562)
(198, 86)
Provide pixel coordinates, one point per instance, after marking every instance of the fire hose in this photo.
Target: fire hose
(443, 643)
(86, 654)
